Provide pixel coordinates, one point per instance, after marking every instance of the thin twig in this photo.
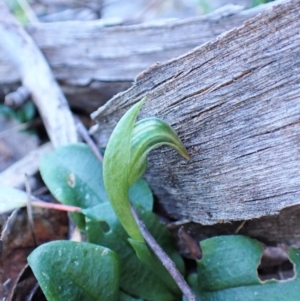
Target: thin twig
(176, 224)
(84, 134)
(29, 209)
(164, 258)
(40, 191)
(155, 247)
(239, 228)
(61, 207)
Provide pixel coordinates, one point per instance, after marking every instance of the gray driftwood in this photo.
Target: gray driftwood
(94, 60)
(235, 102)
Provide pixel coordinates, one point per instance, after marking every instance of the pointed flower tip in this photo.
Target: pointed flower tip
(186, 155)
(183, 152)
(142, 101)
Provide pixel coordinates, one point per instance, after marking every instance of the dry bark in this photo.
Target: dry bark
(37, 78)
(235, 104)
(94, 60)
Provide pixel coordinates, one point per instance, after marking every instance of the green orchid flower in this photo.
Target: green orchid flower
(125, 160)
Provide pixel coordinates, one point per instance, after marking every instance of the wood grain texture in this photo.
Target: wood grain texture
(95, 60)
(235, 103)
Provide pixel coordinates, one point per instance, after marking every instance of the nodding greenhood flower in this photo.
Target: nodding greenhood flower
(125, 160)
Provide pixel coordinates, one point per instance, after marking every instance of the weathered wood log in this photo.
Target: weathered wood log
(235, 103)
(94, 60)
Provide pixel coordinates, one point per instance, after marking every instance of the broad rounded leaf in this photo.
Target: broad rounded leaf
(74, 176)
(228, 271)
(225, 263)
(137, 278)
(75, 271)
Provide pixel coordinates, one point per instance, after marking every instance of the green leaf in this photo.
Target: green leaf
(124, 297)
(74, 176)
(23, 114)
(141, 195)
(26, 112)
(216, 274)
(153, 263)
(137, 278)
(6, 111)
(228, 271)
(74, 271)
(258, 2)
(116, 171)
